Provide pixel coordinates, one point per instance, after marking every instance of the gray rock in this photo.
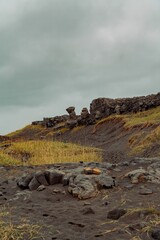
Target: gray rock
(70, 109)
(1, 194)
(25, 195)
(107, 166)
(145, 191)
(82, 187)
(56, 190)
(71, 123)
(40, 176)
(54, 176)
(65, 180)
(24, 181)
(124, 164)
(41, 188)
(156, 234)
(34, 184)
(116, 213)
(87, 210)
(87, 203)
(129, 186)
(5, 182)
(136, 174)
(105, 181)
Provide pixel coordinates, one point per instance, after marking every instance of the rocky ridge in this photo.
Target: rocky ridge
(101, 108)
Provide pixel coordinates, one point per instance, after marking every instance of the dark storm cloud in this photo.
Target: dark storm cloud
(57, 53)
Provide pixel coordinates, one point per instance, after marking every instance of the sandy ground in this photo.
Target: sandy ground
(64, 217)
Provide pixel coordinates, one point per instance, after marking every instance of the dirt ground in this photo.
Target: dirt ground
(64, 217)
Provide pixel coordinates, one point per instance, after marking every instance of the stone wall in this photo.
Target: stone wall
(52, 121)
(100, 108)
(103, 107)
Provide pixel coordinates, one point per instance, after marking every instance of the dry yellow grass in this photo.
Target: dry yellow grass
(140, 141)
(151, 116)
(78, 128)
(5, 159)
(10, 231)
(47, 152)
(152, 138)
(153, 217)
(26, 129)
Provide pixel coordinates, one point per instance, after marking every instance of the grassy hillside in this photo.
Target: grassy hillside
(147, 125)
(46, 152)
(142, 131)
(151, 116)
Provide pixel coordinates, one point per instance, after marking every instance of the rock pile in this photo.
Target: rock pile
(51, 122)
(150, 174)
(81, 183)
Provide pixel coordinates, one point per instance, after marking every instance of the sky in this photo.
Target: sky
(60, 53)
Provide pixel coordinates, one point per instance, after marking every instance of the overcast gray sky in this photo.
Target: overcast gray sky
(57, 53)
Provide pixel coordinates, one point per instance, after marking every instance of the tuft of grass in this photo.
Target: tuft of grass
(25, 129)
(106, 120)
(136, 238)
(153, 220)
(47, 152)
(76, 129)
(152, 138)
(21, 231)
(148, 117)
(6, 159)
(151, 116)
(63, 130)
(150, 210)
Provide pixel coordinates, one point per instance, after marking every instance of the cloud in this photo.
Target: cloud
(57, 53)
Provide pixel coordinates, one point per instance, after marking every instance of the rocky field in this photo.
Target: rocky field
(84, 200)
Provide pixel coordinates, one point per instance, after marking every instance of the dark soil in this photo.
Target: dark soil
(112, 137)
(63, 217)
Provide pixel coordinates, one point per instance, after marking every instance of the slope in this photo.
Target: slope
(120, 136)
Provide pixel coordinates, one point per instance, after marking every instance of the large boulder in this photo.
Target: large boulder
(54, 176)
(71, 123)
(71, 112)
(34, 184)
(41, 178)
(105, 181)
(82, 186)
(23, 182)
